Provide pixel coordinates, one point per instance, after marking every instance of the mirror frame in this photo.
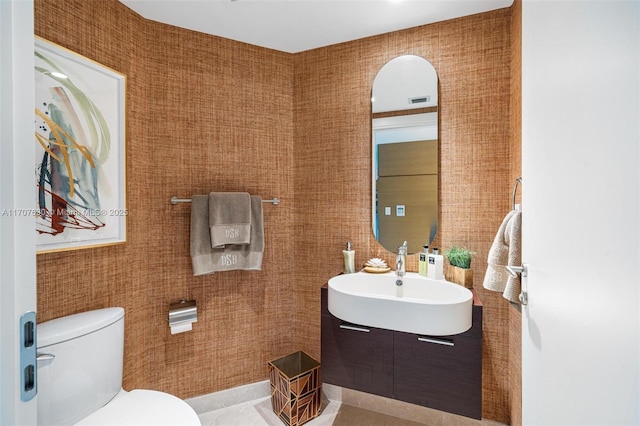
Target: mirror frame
(404, 104)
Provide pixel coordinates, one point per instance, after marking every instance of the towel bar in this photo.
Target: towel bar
(175, 200)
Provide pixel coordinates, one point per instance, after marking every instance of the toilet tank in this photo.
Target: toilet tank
(79, 364)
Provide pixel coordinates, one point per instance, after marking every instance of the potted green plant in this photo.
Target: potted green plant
(459, 270)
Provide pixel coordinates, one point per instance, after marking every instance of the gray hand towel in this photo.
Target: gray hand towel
(229, 218)
(207, 260)
(200, 240)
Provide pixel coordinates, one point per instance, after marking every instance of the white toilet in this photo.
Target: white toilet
(80, 376)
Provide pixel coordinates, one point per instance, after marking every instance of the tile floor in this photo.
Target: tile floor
(341, 407)
(258, 412)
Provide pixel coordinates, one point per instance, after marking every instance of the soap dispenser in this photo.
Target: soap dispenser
(435, 269)
(423, 261)
(349, 259)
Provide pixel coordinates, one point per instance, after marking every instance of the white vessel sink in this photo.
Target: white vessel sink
(420, 305)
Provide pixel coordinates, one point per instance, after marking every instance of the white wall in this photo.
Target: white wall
(581, 214)
(17, 191)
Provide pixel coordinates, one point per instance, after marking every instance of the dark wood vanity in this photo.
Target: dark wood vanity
(439, 372)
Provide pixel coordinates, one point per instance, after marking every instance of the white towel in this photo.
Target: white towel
(496, 276)
(514, 235)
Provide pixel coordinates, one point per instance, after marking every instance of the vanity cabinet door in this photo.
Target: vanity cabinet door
(357, 357)
(444, 373)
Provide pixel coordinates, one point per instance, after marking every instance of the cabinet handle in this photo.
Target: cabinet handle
(354, 328)
(436, 341)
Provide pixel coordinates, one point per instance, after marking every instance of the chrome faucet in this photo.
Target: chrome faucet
(400, 260)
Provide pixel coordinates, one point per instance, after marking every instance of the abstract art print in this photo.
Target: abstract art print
(80, 170)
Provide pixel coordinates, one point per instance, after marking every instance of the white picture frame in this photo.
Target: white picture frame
(80, 164)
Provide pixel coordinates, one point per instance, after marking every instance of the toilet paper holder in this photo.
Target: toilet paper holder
(184, 311)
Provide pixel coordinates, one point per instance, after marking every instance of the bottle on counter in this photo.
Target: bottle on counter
(349, 259)
(435, 269)
(423, 263)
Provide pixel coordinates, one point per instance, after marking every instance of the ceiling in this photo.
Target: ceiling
(298, 25)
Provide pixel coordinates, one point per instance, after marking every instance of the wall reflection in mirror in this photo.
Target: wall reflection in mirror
(404, 110)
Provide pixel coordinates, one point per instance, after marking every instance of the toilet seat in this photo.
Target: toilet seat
(143, 407)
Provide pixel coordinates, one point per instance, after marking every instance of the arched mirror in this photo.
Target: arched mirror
(404, 111)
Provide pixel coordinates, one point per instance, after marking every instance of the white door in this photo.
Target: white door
(17, 201)
(581, 233)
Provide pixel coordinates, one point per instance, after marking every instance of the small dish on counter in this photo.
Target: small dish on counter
(376, 266)
(376, 269)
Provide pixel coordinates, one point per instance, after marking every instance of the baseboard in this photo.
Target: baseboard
(228, 397)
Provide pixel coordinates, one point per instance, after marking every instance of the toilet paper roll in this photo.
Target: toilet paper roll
(181, 328)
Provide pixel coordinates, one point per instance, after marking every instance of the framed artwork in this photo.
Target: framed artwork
(80, 171)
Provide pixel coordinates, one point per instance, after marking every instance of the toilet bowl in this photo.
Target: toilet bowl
(142, 407)
(80, 360)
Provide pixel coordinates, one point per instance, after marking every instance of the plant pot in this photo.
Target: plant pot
(457, 275)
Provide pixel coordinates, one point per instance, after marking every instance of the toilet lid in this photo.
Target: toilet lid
(143, 407)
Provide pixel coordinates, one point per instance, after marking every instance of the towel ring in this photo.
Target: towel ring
(515, 190)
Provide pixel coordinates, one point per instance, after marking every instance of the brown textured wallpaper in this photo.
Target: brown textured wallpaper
(205, 113)
(332, 162)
